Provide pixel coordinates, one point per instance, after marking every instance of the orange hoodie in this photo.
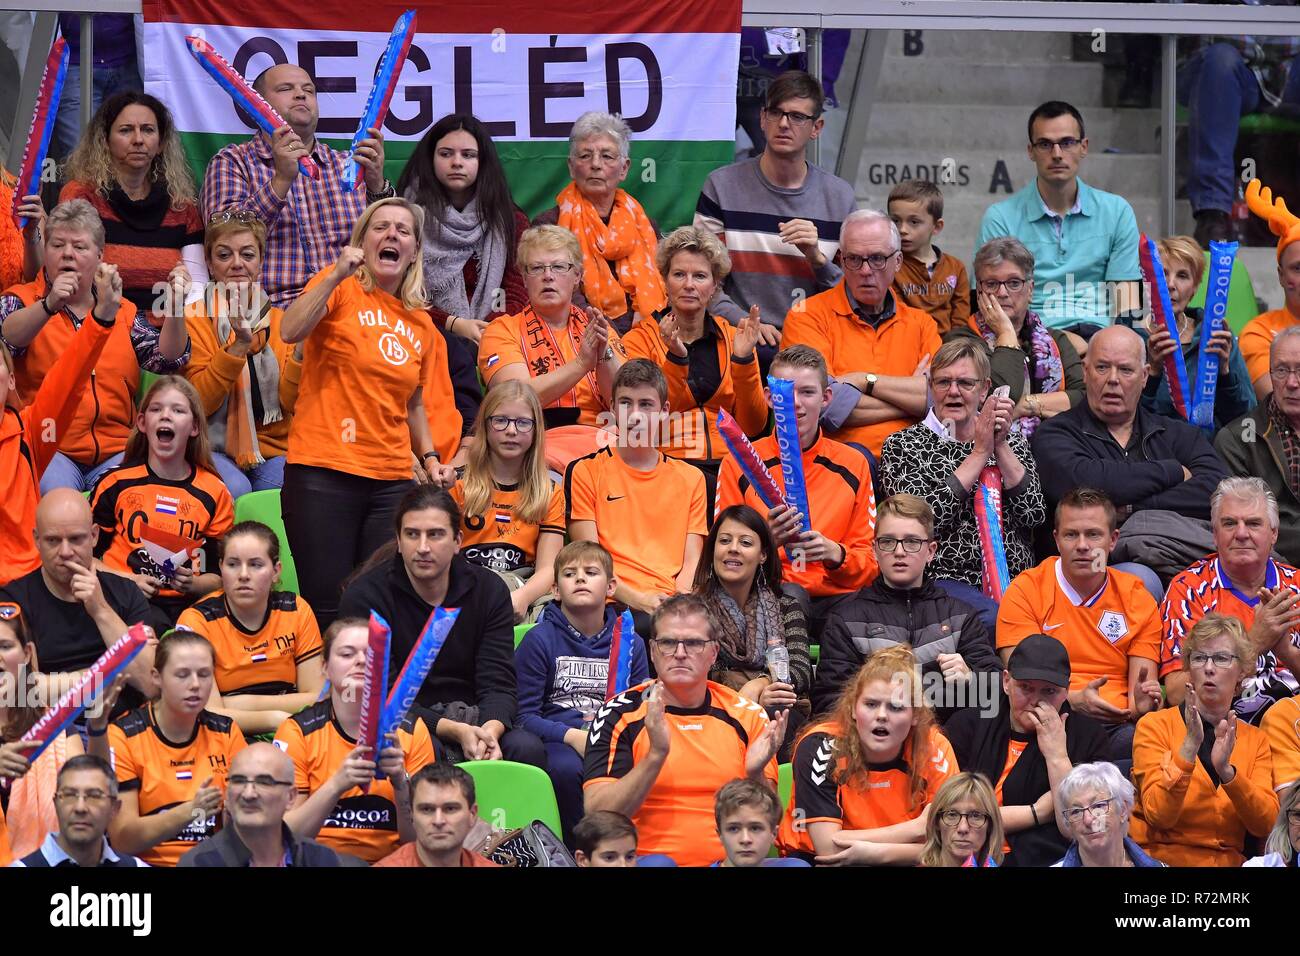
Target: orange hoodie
(107, 409)
(1180, 817)
(694, 433)
(28, 440)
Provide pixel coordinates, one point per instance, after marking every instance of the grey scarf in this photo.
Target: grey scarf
(448, 245)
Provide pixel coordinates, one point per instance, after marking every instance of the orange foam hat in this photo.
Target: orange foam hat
(1280, 220)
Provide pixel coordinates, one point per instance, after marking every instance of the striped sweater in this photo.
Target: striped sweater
(738, 204)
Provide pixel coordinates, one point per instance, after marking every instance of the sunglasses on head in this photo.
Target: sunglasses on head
(9, 611)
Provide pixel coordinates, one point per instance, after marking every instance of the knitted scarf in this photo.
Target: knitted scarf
(747, 633)
(237, 435)
(618, 258)
(448, 244)
(1044, 372)
(1290, 444)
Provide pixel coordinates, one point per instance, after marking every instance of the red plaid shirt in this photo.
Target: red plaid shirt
(304, 231)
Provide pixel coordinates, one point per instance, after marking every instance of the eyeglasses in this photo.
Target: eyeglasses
(1047, 145)
(668, 645)
(889, 544)
(1283, 373)
(9, 611)
(1099, 809)
(796, 118)
(232, 215)
(991, 286)
(966, 385)
(500, 423)
(73, 796)
(556, 268)
(877, 261)
(263, 781)
(1293, 816)
(1221, 659)
(977, 819)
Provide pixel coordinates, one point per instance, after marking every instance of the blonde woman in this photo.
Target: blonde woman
(371, 351)
(512, 513)
(130, 166)
(965, 825)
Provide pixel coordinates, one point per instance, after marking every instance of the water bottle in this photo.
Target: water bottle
(778, 663)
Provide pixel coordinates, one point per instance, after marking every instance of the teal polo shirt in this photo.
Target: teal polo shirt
(1097, 243)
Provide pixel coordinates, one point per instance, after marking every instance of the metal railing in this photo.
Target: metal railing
(1168, 20)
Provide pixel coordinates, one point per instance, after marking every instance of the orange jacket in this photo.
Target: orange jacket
(694, 431)
(107, 410)
(828, 323)
(1180, 817)
(215, 373)
(28, 440)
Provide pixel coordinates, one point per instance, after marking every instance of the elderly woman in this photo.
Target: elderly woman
(940, 459)
(1038, 364)
(1096, 801)
(40, 319)
(568, 356)
(246, 374)
(370, 357)
(1204, 778)
(1234, 396)
(1283, 845)
(130, 166)
(617, 237)
(709, 363)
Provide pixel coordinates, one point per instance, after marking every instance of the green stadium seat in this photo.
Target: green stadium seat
(264, 506)
(784, 782)
(520, 631)
(1242, 306)
(146, 380)
(513, 794)
(814, 653)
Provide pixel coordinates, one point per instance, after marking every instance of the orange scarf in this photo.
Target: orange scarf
(543, 354)
(11, 240)
(618, 259)
(241, 441)
(31, 802)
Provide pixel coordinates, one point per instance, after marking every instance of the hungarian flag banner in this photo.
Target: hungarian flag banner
(669, 68)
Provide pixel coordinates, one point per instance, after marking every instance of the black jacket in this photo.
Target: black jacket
(1074, 449)
(464, 379)
(879, 616)
(477, 663)
(980, 743)
(227, 849)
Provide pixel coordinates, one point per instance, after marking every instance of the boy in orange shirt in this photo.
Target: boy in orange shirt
(928, 279)
(646, 509)
(1106, 619)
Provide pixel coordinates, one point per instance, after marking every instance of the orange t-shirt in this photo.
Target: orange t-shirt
(1257, 338)
(707, 747)
(642, 517)
(1100, 631)
(1281, 725)
(363, 824)
(361, 366)
(406, 855)
(6, 854)
(501, 540)
(264, 661)
(882, 799)
(505, 343)
(828, 323)
(165, 774)
(841, 498)
(131, 500)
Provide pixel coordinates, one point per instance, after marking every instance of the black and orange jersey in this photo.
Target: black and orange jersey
(164, 773)
(843, 505)
(363, 824)
(642, 517)
(130, 501)
(499, 539)
(264, 661)
(880, 799)
(707, 748)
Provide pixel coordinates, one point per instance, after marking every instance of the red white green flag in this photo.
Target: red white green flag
(526, 70)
